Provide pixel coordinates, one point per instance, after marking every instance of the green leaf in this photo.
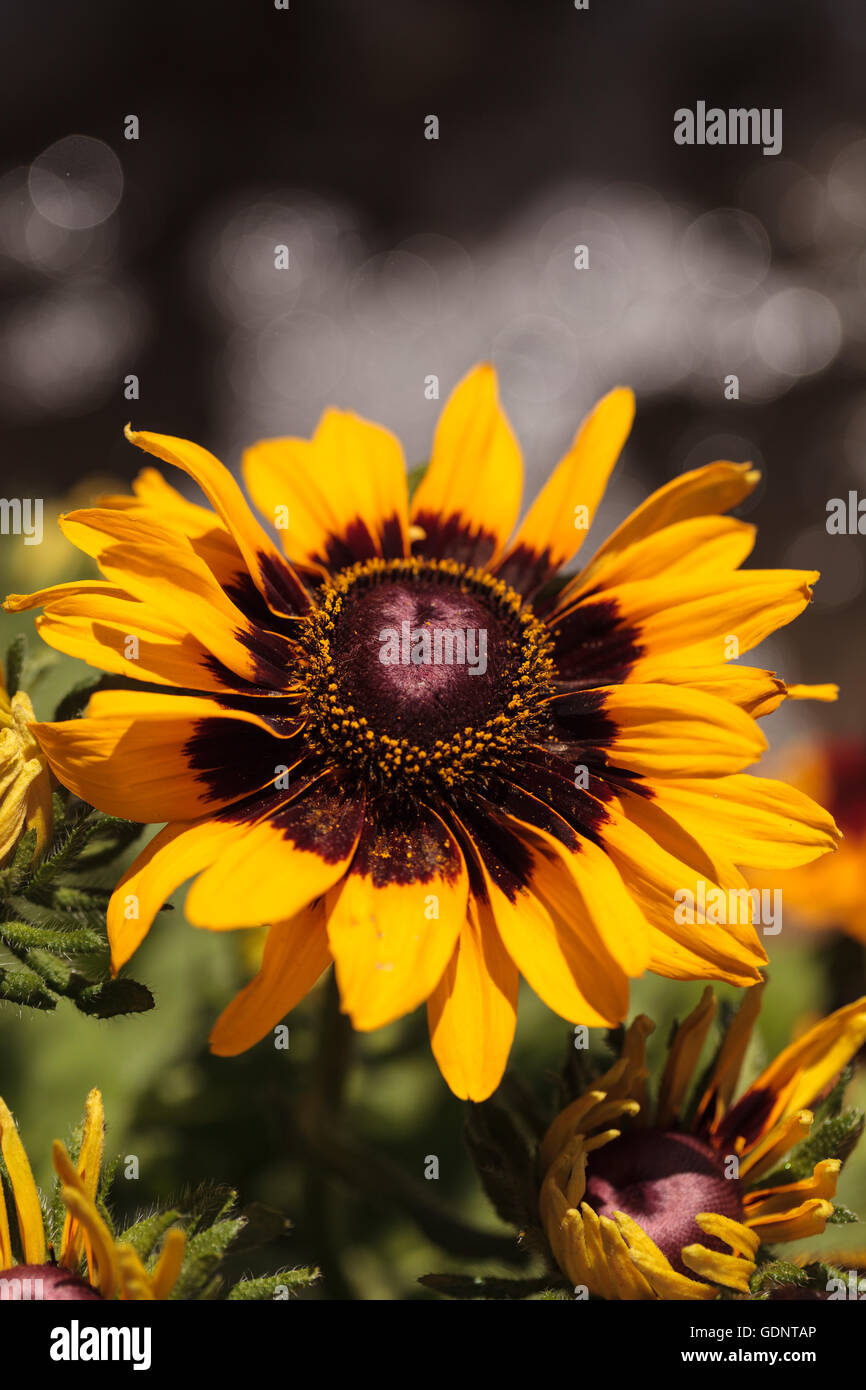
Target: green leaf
(777, 1274)
(73, 941)
(74, 702)
(504, 1163)
(62, 977)
(118, 835)
(69, 842)
(144, 1235)
(113, 997)
(842, 1216)
(203, 1254)
(21, 986)
(15, 659)
(835, 1138)
(266, 1288)
(261, 1225)
(16, 872)
(832, 1106)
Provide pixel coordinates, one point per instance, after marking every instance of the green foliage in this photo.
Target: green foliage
(835, 1138)
(777, 1274)
(15, 658)
(292, 1280)
(504, 1163)
(52, 913)
(842, 1216)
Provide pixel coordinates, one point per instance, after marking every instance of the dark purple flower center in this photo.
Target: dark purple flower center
(423, 672)
(44, 1283)
(663, 1180)
(421, 658)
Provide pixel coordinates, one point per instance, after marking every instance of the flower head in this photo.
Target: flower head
(25, 781)
(407, 746)
(639, 1202)
(111, 1269)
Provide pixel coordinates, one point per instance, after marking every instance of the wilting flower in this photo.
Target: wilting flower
(636, 1202)
(113, 1270)
(530, 803)
(25, 781)
(832, 894)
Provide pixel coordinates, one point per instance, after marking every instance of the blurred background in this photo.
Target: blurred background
(154, 258)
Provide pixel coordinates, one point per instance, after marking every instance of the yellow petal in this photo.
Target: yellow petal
(683, 1056)
(549, 534)
(468, 500)
(295, 955)
(31, 1226)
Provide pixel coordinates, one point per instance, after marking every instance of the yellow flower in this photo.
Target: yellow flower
(405, 748)
(25, 781)
(113, 1270)
(635, 1204)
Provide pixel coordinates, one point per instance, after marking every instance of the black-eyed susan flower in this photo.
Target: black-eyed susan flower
(25, 780)
(639, 1203)
(527, 802)
(89, 1263)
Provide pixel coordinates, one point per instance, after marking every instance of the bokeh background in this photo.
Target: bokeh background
(410, 257)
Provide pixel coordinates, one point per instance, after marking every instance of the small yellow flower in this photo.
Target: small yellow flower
(25, 780)
(636, 1203)
(114, 1270)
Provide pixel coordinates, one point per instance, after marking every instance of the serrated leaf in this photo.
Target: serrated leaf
(265, 1288)
(113, 997)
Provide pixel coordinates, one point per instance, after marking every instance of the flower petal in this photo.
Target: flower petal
(467, 502)
(473, 1010)
(394, 920)
(274, 578)
(549, 534)
(295, 955)
(154, 758)
(344, 491)
(282, 862)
